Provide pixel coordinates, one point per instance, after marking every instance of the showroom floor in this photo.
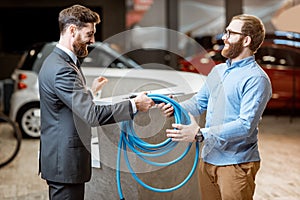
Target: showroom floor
(278, 178)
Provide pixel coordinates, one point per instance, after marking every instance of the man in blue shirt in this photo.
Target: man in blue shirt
(234, 98)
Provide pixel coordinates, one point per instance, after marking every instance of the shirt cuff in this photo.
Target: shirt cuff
(204, 132)
(134, 109)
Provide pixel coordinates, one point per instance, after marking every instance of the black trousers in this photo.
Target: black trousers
(63, 191)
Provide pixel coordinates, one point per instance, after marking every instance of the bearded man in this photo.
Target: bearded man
(67, 108)
(234, 98)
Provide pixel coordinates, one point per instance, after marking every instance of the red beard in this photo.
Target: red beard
(233, 50)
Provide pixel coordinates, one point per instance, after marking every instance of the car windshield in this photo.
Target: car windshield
(41, 56)
(100, 55)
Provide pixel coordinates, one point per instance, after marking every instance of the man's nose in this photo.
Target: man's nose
(92, 40)
(224, 37)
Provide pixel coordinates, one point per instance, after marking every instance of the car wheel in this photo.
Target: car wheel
(29, 120)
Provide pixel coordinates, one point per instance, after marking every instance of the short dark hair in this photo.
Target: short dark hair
(77, 15)
(254, 28)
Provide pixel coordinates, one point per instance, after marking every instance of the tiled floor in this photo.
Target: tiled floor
(278, 178)
(20, 180)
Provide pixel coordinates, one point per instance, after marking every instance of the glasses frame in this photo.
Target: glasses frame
(228, 32)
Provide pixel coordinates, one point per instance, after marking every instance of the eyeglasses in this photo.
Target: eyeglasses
(227, 33)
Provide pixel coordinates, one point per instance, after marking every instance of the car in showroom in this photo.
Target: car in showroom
(125, 76)
(279, 56)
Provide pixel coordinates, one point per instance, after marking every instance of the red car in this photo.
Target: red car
(279, 58)
(282, 64)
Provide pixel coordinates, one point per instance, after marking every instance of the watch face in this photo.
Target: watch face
(199, 137)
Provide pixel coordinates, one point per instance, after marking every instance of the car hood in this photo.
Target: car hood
(124, 83)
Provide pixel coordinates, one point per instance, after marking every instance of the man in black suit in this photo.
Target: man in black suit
(67, 108)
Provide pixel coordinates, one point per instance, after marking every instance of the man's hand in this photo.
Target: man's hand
(184, 132)
(143, 102)
(98, 84)
(167, 109)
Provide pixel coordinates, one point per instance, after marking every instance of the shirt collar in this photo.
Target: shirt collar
(240, 63)
(69, 52)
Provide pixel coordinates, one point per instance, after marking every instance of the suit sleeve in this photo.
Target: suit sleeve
(72, 91)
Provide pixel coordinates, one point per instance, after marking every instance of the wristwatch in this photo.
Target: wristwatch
(199, 136)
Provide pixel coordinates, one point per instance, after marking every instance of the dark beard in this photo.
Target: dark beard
(80, 48)
(234, 49)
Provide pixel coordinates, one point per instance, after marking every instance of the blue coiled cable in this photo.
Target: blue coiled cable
(130, 139)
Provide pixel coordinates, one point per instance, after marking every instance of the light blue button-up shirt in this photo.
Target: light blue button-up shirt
(234, 96)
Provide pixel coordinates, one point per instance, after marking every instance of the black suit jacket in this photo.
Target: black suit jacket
(67, 115)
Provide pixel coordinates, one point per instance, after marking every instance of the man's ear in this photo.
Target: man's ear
(247, 41)
(72, 28)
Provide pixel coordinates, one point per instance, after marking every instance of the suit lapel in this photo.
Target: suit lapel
(69, 60)
(63, 54)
